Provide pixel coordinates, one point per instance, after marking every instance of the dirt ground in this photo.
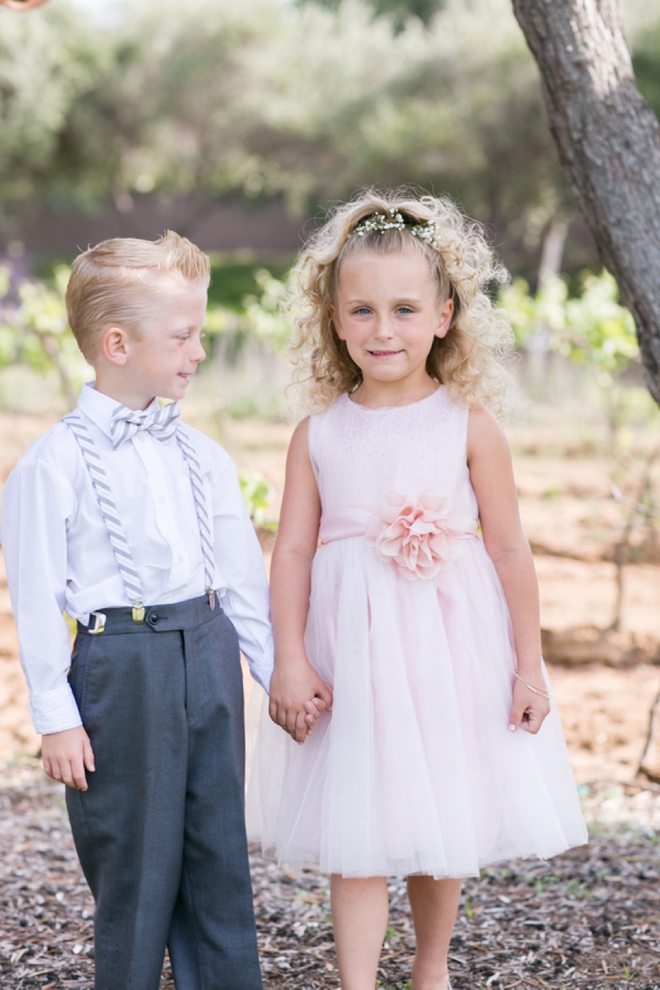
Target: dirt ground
(573, 524)
(587, 920)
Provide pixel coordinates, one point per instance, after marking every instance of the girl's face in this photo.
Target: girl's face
(388, 312)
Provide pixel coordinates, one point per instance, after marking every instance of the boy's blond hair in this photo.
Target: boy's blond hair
(471, 360)
(116, 282)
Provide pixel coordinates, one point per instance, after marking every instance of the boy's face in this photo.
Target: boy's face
(161, 359)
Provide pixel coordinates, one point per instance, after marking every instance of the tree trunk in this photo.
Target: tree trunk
(609, 143)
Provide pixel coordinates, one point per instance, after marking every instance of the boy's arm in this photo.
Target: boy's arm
(37, 503)
(241, 565)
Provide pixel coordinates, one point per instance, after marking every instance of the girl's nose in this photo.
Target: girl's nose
(384, 330)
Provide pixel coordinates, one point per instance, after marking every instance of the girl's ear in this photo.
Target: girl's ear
(113, 345)
(444, 318)
(335, 322)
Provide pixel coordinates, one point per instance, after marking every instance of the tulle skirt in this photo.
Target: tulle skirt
(414, 771)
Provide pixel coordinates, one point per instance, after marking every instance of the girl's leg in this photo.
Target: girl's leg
(434, 905)
(359, 918)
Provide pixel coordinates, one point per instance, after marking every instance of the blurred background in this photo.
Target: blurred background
(237, 123)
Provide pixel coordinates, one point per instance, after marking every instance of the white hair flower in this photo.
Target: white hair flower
(380, 222)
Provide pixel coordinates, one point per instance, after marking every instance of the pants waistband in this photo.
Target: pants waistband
(173, 617)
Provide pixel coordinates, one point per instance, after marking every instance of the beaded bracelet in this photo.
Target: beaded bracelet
(543, 692)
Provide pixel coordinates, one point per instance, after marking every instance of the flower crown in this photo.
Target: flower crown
(379, 222)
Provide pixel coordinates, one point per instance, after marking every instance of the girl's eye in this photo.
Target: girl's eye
(362, 311)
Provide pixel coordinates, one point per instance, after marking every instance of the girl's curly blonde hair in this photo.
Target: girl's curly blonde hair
(471, 360)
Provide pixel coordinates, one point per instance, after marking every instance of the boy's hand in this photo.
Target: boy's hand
(66, 755)
(528, 710)
(292, 687)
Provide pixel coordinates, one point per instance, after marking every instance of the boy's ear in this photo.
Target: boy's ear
(113, 345)
(444, 318)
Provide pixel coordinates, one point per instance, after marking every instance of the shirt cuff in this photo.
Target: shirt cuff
(54, 711)
(261, 672)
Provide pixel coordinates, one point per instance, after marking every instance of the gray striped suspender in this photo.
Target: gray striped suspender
(115, 530)
(203, 521)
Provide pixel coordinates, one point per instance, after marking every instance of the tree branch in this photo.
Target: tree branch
(609, 144)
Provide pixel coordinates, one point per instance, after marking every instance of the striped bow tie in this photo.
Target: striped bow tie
(160, 423)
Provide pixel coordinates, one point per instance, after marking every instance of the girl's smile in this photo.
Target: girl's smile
(388, 312)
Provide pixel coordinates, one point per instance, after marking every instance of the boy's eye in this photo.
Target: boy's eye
(404, 309)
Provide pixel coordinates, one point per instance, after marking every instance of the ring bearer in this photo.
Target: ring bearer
(133, 524)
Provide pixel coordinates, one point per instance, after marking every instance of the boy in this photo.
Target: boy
(134, 524)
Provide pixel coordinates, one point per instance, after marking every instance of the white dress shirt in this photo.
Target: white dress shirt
(59, 558)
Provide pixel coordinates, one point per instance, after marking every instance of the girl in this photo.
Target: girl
(383, 589)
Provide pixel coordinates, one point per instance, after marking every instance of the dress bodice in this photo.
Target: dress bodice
(359, 454)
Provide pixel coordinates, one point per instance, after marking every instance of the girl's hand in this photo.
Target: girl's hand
(313, 709)
(296, 690)
(528, 709)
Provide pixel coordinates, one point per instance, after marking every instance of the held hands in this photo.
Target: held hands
(66, 755)
(529, 708)
(297, 698)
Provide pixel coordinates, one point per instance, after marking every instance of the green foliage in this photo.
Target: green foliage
(257, 495)
(643, 30)
(260, 319)
(235, 277)
(308, 101)
(400, 11)
(255, 97)
(34, 331)
(265, 314)
(591, 329)
(49, 64)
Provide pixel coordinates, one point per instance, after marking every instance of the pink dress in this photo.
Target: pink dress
(415, 770)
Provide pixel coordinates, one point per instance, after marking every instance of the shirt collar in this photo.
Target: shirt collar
(100, 407)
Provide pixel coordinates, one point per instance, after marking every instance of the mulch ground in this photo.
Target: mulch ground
(588, 919)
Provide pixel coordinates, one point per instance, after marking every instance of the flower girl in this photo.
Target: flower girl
(401, 578)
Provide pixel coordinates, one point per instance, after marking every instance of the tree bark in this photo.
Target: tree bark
(609, 143)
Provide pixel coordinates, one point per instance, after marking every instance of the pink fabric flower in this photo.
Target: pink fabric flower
(421, 538)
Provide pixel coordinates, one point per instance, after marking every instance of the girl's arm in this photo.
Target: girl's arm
(295, 682)
(491, 472)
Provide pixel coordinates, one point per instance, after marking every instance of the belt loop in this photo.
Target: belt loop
(97, 625)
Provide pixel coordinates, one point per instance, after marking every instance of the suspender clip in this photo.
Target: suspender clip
(211, 594)
(96, 623)
(138, 613)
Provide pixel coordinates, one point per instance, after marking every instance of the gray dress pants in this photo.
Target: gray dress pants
(161, 832)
